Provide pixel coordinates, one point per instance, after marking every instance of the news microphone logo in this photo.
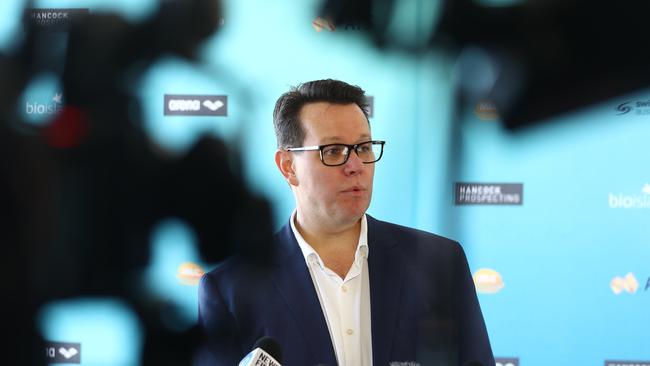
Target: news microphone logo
(196, 105)
(266, 352)
(62, 352)
(259, 358)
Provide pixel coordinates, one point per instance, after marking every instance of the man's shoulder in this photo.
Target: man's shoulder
(410, 237)
(238, 267)
(236, 271)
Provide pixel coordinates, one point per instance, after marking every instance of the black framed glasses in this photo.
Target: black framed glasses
(337, 154)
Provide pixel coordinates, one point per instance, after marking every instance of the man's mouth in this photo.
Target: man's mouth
(355, 189)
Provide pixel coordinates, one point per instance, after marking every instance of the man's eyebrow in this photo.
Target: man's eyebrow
(337, 139)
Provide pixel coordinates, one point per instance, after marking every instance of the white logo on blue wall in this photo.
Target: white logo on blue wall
(626, 363)
(489, 193)
(58, 18)
(195, 105)
(502, 361)
(62, 352)
(631, 201)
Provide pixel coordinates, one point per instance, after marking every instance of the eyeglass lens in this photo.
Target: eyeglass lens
(338, 154)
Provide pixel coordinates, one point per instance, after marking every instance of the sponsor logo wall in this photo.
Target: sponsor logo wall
(521, 266)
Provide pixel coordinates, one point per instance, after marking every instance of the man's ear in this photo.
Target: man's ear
(284, 161)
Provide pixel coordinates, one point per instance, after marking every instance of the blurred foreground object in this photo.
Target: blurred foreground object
(536, 59)
(80, 194)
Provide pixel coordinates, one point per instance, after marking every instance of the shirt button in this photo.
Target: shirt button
(349, 331)
(344, 288)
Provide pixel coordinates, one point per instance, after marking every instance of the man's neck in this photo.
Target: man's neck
(329, 239)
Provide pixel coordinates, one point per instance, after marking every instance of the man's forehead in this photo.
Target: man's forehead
(327, 110)
(334, 122)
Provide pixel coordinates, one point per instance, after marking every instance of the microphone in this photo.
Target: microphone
(266, 352)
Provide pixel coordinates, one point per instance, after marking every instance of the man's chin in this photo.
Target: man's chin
(355, 213)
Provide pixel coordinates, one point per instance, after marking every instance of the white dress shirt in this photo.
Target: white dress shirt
(345, 302)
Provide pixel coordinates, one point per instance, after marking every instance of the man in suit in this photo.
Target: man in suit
(342, 287)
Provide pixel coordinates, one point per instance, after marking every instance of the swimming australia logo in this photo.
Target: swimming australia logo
(631, 201)
(196, 105)
(62, 352)
(640, 107)
(489, 194)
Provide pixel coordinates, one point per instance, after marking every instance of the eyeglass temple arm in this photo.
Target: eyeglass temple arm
(304, 148)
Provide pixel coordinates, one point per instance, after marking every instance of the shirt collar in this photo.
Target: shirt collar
(312, 257)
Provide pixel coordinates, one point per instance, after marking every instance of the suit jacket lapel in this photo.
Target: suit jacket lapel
(293, 281)
(385, 271)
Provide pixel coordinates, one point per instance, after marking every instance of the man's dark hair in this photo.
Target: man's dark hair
(288, 129)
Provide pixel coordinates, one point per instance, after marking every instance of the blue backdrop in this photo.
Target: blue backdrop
(563, 277)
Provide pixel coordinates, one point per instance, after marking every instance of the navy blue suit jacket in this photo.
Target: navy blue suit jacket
(423, 304)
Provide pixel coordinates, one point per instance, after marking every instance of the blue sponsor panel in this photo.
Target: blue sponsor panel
(572, 259)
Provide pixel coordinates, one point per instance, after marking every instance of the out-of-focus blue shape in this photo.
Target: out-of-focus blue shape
(412, 22)
(171, 276)
(41, 100)
(11, 11)
(475, 72)
(177, 77)
(108, 330)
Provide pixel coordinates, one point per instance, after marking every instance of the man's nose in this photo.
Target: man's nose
(354, 163)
